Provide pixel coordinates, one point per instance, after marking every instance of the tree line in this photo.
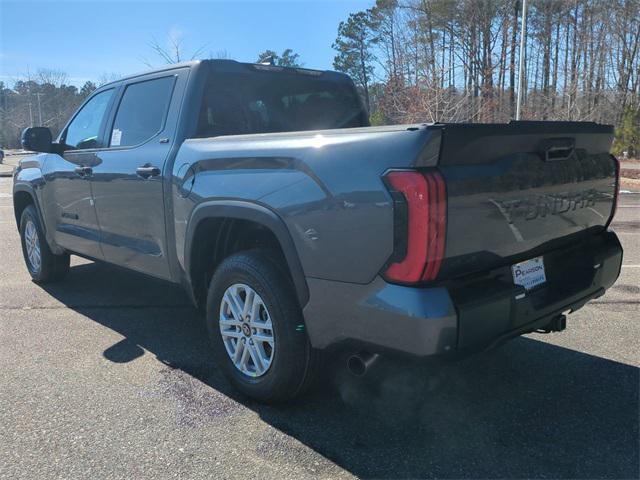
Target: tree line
(440, 61)
(457, 61)
(47, 98)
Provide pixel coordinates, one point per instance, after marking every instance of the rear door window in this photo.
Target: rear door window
(141, 112)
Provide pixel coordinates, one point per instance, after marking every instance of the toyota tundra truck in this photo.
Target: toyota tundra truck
(299, 229)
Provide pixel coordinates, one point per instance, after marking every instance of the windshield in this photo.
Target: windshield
(261, 102)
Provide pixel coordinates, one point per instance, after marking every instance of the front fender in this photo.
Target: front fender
(243, 210)
(28, 180)
(20, 188)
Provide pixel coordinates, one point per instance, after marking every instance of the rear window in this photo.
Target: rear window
(261, 102)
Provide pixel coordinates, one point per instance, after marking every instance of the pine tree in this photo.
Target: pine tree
(355, 43)
(87, 89)
(627, 135)
(288, 58)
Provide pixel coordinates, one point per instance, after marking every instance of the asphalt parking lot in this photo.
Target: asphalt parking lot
(108, 375)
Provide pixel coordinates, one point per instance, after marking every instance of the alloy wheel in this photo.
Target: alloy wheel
(246, 330)
(32, 244)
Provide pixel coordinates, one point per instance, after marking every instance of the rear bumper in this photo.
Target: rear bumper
(470, 314)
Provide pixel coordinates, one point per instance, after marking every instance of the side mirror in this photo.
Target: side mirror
(36, 139)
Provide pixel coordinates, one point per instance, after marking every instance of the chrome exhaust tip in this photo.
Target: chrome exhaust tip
(359, 363)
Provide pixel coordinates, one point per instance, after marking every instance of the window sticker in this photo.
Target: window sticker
(116, 136)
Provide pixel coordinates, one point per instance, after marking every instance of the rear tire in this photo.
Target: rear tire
(44, 266)
(285, 364)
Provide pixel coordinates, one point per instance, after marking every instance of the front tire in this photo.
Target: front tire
(43, 265)
(257, 330)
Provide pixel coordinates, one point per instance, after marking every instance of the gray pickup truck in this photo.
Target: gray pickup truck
(299, 228)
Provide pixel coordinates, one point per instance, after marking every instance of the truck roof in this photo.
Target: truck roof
(235, 66)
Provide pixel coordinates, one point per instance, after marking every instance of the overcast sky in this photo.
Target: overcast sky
(88, 39)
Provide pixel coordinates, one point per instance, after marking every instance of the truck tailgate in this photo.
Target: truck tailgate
(517, 190)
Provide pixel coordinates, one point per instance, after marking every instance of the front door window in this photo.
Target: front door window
(84, 130)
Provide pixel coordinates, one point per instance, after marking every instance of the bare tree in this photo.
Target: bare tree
(108, 77)
(222, 54)
(173, 51)
(439, 60)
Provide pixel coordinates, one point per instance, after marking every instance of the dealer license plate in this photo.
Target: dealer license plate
(529, 273)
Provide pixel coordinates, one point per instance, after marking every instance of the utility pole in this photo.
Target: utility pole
(523, 36)
(30, 115)
(39, 109)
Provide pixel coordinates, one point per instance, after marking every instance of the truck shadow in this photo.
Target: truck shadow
(529, 409)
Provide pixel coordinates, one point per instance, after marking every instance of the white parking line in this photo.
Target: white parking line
(514, 229)
(630, 266)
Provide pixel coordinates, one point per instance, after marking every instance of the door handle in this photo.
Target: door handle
(83, 171)
(147, 171)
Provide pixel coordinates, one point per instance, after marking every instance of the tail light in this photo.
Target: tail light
(616, 192)
(420, 223)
